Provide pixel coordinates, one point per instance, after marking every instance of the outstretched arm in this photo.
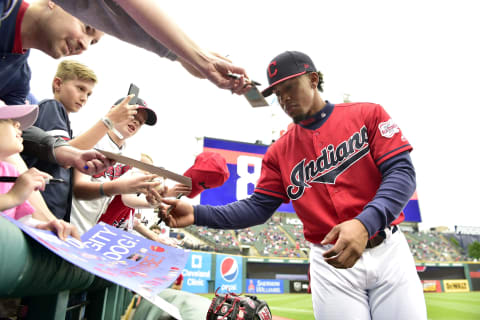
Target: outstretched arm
(144, 24)
(236, 215)
(40, 144)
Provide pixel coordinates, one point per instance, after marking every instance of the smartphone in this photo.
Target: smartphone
(133, 90)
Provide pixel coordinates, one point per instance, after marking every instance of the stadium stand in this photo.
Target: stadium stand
(224, 241)
(282, 236)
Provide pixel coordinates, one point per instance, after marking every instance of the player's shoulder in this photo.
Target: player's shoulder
(362, 109)
(357, 105)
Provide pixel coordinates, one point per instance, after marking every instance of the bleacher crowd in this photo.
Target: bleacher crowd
(280, 237)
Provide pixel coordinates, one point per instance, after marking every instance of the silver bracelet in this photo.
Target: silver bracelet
(107, 122)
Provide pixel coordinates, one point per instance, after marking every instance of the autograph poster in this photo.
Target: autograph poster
(141, 265)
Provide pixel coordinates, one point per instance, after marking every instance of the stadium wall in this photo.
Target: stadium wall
(207, 272)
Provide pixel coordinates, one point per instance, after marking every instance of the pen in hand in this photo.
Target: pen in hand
(47, 180)
(236, 76)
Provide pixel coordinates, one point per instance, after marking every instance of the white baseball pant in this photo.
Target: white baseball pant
(383, 284)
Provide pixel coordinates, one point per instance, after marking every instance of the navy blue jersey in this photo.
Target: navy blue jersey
(53, 118)
(14, 70)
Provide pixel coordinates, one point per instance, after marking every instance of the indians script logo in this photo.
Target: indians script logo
(329, 165)
(229, 269)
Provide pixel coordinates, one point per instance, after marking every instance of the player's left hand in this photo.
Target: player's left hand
(351, 238)
(62, 228)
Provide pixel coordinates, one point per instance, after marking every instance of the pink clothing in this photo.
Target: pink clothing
(6, 169)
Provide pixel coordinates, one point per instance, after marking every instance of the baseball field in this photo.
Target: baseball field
(440, 306)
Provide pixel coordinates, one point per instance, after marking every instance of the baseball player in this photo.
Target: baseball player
(347, 170)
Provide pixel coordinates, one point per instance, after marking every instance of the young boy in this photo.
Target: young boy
(72, 86)
(92, 195)
(13, 195)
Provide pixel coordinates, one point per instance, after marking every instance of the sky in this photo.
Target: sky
(418, 59)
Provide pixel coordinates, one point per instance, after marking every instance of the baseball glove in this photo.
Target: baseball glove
(230, 306)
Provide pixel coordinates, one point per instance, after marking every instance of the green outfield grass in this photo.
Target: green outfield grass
(452, 306)
(440, 306)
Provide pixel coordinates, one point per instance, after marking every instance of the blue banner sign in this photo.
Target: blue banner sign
(244, 161)
(197, 272)
(141, 265)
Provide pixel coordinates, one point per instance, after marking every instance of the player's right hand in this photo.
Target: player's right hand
(181, 214)
(29, 181)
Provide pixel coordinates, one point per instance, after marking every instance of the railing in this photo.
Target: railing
(29, 270)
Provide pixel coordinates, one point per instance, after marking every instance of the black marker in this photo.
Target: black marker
(47, 180)
(236, 76)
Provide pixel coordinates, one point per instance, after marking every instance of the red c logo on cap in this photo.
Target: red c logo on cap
(270, 73)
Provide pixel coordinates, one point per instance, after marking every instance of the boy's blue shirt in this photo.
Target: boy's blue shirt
(53, 118)
(15, 72)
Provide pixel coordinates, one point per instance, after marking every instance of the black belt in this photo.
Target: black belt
(378, 239)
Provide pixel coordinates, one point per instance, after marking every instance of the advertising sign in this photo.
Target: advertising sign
(197, 272)
(264, 286)
(229, 273)
(431, 286)
(456, 285)
(299, 286)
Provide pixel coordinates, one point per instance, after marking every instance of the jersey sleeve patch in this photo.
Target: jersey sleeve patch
(388, 128)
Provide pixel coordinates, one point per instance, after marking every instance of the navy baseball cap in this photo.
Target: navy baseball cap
(151, 115)
(287, 65)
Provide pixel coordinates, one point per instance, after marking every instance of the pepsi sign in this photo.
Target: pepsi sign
(229, 274)
(229, 269)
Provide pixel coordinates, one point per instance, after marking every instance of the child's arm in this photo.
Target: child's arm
(35, 199)
(121, 113)
(177, 189)
(28, 182)
(85, 189)
(149, 234)
(62, 228)
(153, 199)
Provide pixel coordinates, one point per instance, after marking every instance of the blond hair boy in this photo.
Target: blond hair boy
(72, 85)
